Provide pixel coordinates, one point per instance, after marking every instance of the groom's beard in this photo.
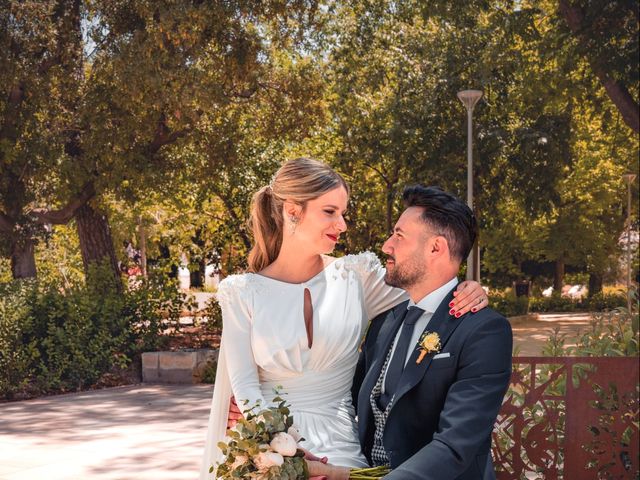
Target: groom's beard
(406, 274)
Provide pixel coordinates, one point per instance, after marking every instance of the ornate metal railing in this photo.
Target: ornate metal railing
(569, 418)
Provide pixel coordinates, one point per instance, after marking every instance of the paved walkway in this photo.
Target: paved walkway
(137, 432)
(145, 432)
(530, 333)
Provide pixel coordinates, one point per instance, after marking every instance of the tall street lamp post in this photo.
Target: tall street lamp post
(469, 98)
(629, 178)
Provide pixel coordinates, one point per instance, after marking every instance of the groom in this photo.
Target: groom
(428, 410)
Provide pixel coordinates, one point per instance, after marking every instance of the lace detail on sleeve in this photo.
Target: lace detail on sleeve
(363, 263)
(233, 286)
(378, 296)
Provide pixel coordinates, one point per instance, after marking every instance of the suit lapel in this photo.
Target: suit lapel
(444, 325)
(383, 342)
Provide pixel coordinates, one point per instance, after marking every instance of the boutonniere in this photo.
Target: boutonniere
(429, 343)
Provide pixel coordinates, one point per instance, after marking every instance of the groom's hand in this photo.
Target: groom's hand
(234, 413)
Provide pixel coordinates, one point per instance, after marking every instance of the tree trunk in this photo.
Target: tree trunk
(96, 243)
(23, 260)
(595, 284)
(617, 91)
(388, 220)
(558, 279)
(197, 275)
(142, 238)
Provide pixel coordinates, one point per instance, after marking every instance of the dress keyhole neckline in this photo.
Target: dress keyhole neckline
(308, 316)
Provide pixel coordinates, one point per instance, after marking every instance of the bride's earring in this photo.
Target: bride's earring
(293, 223)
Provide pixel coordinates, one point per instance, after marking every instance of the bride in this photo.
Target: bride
(297, 318)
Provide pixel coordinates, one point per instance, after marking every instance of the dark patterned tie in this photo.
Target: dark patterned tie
(396, 365)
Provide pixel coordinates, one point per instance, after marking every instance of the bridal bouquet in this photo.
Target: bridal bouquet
(264, 446)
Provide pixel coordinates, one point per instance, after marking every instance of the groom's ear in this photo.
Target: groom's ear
(438, 246)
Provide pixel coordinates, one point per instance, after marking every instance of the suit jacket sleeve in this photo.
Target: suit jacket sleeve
(471, 405)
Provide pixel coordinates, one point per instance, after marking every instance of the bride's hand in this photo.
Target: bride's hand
(331, 472)
(234, 413)
(469, 296)
(310, 456)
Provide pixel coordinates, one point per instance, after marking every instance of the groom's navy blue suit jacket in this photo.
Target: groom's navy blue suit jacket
(439, 426)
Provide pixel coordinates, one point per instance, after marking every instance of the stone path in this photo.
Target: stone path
(145, 432)
(531, 332)
(137, 432)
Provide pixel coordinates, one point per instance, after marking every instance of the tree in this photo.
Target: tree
(542, 130)
(607, 36)
(119, 83)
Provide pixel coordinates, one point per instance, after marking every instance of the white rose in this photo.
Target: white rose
(284, 444)
(293, 431)
(266, 460)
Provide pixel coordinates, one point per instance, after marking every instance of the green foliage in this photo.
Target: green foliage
(251, 438)
(213, 314)
(611, 334)
(209, 372)
(207, 99)
(508, 304)
(152, 306)
(597, 303)
(55, 339)
(553, 303)
(602, 301)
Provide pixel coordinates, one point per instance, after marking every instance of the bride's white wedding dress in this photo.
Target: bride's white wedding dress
(265, 345)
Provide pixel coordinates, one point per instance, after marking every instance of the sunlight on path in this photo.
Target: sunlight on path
(530, 335)
(136, 432)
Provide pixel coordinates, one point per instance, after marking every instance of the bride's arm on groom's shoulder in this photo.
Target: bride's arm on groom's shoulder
(469, 296)
(236, 321)
(379, 296)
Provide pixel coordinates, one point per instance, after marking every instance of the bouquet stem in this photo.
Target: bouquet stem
(371, 473)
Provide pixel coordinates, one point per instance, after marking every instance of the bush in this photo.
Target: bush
(56, 340)
(602, 302)
(213, 315)
(554, 303)
(508, 304)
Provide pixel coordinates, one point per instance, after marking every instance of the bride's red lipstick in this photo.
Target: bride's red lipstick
(333, 238)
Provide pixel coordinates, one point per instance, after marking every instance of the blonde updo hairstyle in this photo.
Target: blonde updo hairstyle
(297, 181)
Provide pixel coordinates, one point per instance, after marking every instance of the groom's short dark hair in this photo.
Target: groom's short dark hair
(447, 215)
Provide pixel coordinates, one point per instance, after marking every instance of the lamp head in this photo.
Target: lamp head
(470, 97)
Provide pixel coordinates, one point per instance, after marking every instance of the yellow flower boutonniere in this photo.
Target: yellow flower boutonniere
(429, 343)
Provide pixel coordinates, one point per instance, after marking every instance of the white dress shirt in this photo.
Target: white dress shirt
(429, 304)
